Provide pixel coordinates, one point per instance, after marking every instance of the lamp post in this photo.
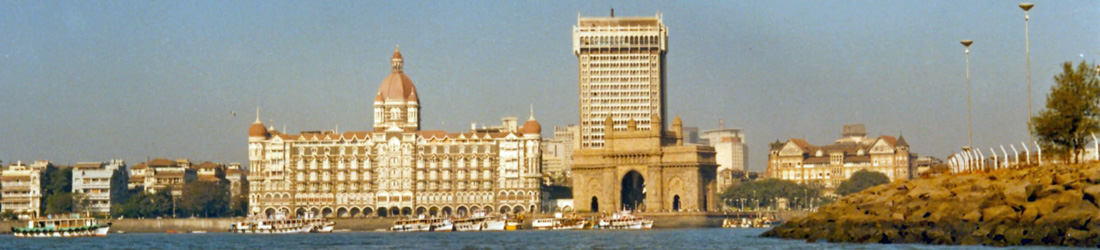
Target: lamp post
(969, 132)
(1027, 52)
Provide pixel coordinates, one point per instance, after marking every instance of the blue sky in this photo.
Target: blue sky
(95, 80)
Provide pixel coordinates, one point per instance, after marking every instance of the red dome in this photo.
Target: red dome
(531, 127)
(257, 130)
(397, 87)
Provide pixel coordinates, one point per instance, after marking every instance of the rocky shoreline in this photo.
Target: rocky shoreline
(1043, 205)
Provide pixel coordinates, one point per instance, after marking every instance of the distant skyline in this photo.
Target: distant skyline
(92, 81)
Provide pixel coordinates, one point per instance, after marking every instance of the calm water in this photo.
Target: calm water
(713, 238)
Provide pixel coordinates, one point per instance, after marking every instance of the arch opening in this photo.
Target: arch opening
(676, 203)
(595, 207)
(633, 191)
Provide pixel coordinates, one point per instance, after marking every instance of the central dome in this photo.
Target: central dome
(397, 87)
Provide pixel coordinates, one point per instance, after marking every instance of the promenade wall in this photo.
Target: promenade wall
(660, 220)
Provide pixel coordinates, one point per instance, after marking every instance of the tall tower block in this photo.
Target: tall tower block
(621, 64)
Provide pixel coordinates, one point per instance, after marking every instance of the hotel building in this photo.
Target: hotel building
(396, 168)
(802, 162)
(21, 188)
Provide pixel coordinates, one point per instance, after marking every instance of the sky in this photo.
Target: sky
(99, 80)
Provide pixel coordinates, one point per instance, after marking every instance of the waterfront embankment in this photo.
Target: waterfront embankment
(1044, 205)
(660, 220)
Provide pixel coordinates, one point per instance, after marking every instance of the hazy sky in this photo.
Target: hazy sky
(91, 80)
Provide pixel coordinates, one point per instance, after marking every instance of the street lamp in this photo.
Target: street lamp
(969, 133)
(1027, 51)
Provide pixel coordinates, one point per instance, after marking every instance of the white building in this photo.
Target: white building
(396, 168)
(21, 188)
(557, 152)
(93, 181)
(731, 152)
(621, 62)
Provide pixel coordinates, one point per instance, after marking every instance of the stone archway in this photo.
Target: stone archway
(595, 205)
(342, 212)
(676, 203)
(326, 212)
(632, 193)
(447, 211)
(421, 211)
(383, 212)
(269, 212)
(462, 211)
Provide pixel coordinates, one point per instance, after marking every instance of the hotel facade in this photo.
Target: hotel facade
(829, 165)
(396, 168)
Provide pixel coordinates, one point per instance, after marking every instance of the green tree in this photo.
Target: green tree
(861, 180)
(1071, 113)
(141, 204)
(59, 203)
(765, 193)
(205, 199)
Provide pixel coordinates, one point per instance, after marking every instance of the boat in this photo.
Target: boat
(514, 223)
(624, 220)
(280, 224)
(411, 225)
(469, 224)
(494, 223)
(73, 226)
(559, 223)
(440, 225)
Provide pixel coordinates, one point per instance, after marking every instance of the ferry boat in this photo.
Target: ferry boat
(411, 225)
(280, 224)
(74, 226)
(479, 222)
(558, 223)
(514, 223)
(440, 225)
(494, 223)
(624, 220)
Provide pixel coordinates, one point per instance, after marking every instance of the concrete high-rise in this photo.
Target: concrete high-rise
(621, 63)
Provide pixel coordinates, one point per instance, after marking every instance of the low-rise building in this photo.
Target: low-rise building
(802, 162)
(93, 181)
(160, 174)
(209, 171)
(237, 177)
(557, 154)
(21, 188)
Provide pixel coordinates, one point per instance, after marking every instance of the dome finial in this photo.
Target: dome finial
(257, 114)
(397, 61)
(532, 117)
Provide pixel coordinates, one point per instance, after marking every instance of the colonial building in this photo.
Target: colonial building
(621, 67)
(730, 152)
(396, 168)
(802, 162)
(21, 188)
(646, 170)
(96, 184)
(161, 174)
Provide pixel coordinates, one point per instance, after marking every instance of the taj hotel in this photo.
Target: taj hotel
(396, 168)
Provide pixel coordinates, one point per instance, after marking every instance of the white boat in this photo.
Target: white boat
(469, 224)
(624, 220)
(559, 223)
(410, 225)
(280, 224)
(441, 225)
(74, 226)
(493, 224)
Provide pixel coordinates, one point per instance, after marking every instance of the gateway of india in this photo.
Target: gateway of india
(627, 159)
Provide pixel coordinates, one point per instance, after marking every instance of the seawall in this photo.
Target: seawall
(660, 220)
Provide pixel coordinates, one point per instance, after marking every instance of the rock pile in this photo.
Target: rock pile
(1046, 205)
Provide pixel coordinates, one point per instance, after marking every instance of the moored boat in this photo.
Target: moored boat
(280, 224)
(559, 223)
(624, 220)
(73, 226)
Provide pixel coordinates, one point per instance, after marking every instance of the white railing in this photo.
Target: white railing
(974, 159)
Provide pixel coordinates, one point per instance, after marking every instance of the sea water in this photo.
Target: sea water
(703, 238)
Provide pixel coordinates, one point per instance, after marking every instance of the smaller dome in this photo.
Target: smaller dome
(531, 127)
(397, 53)
(257, 130)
